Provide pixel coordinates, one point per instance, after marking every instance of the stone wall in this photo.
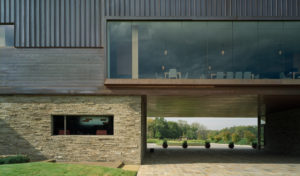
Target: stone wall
(25, 128)
(282, 132)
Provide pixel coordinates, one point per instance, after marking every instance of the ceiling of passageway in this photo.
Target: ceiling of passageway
(202, 106)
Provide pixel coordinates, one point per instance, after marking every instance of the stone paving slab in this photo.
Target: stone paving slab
(217, 169)
(131, 167)
(218, 162)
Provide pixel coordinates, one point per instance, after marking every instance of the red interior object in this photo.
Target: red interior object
(62, 132)
(101, 132)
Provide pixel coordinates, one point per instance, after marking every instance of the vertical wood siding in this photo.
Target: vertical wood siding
(79, 23)
(54, 23)
(202, 8)
(7, 11)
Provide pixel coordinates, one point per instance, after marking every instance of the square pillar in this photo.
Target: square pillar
(135, 52)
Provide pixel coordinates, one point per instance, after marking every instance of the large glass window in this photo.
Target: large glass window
(204, 50)
(82, 125)
(6, 36)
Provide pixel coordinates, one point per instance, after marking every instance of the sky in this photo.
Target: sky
(218, 123)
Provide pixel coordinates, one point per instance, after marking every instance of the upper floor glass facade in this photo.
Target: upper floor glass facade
(204, 50)
(6, 36)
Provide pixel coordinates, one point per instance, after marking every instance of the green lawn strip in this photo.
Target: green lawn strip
(54, 169)
(189, 144)
(177, 143)
(173, 142)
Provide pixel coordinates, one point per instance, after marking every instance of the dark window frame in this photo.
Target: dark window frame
(76, 115)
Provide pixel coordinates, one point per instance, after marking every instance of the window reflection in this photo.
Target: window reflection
(204, 50)
(6, 36)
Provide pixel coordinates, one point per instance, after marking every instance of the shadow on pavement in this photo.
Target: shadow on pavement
(218, 155)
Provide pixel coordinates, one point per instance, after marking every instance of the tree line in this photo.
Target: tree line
(159, 128)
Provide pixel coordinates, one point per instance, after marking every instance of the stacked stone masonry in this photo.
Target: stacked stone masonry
(26, 128)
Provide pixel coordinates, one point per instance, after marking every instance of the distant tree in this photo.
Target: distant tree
(218, 138)
(212, 135)
(150, 128)
(184, 126)
(235, 137)
(191, 134)
(158, 135)
(161, 127)
(250, 137)
(201, 130)
(225, 136)
(175, 131)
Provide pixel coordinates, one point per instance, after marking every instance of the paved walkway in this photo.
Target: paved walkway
(217, 161)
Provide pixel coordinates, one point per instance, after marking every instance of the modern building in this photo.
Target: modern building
(79, 77)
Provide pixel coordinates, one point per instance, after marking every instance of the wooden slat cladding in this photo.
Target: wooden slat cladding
(203, 106)
(202, 8)
(54, 23)
(76, 68)
(7, 11)
(81, 23)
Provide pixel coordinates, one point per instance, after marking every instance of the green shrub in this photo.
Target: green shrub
(184, 144)
(14, 159)
(165, 144)
(207, 144)
(254, 145)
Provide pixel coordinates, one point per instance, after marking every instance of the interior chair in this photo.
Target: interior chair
(186, 75)
(282, 75)
(62, 132)
(203, 76)
(247, 75)
(229, 75)
(239, 75)
(172, 73)
(220, 75)
(101, 132)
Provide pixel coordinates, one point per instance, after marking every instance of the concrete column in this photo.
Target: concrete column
(282, 132)
(143, 126)
(259, 122)
(282, 128)
(135, 52)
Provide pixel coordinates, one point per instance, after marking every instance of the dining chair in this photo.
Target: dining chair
(186, 75)
(203, 76)
(220, 75)
(247, 75)
(172, 73)
(282, 75)
(238, 75)
(229, 75)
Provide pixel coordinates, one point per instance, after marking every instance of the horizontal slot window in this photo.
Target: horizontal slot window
(204, 50)
(82, 125)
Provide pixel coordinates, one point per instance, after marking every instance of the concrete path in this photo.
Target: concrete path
(213, 146)
(217, 161)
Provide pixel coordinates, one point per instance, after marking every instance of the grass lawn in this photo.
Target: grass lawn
(177, 143)
(59, 169)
